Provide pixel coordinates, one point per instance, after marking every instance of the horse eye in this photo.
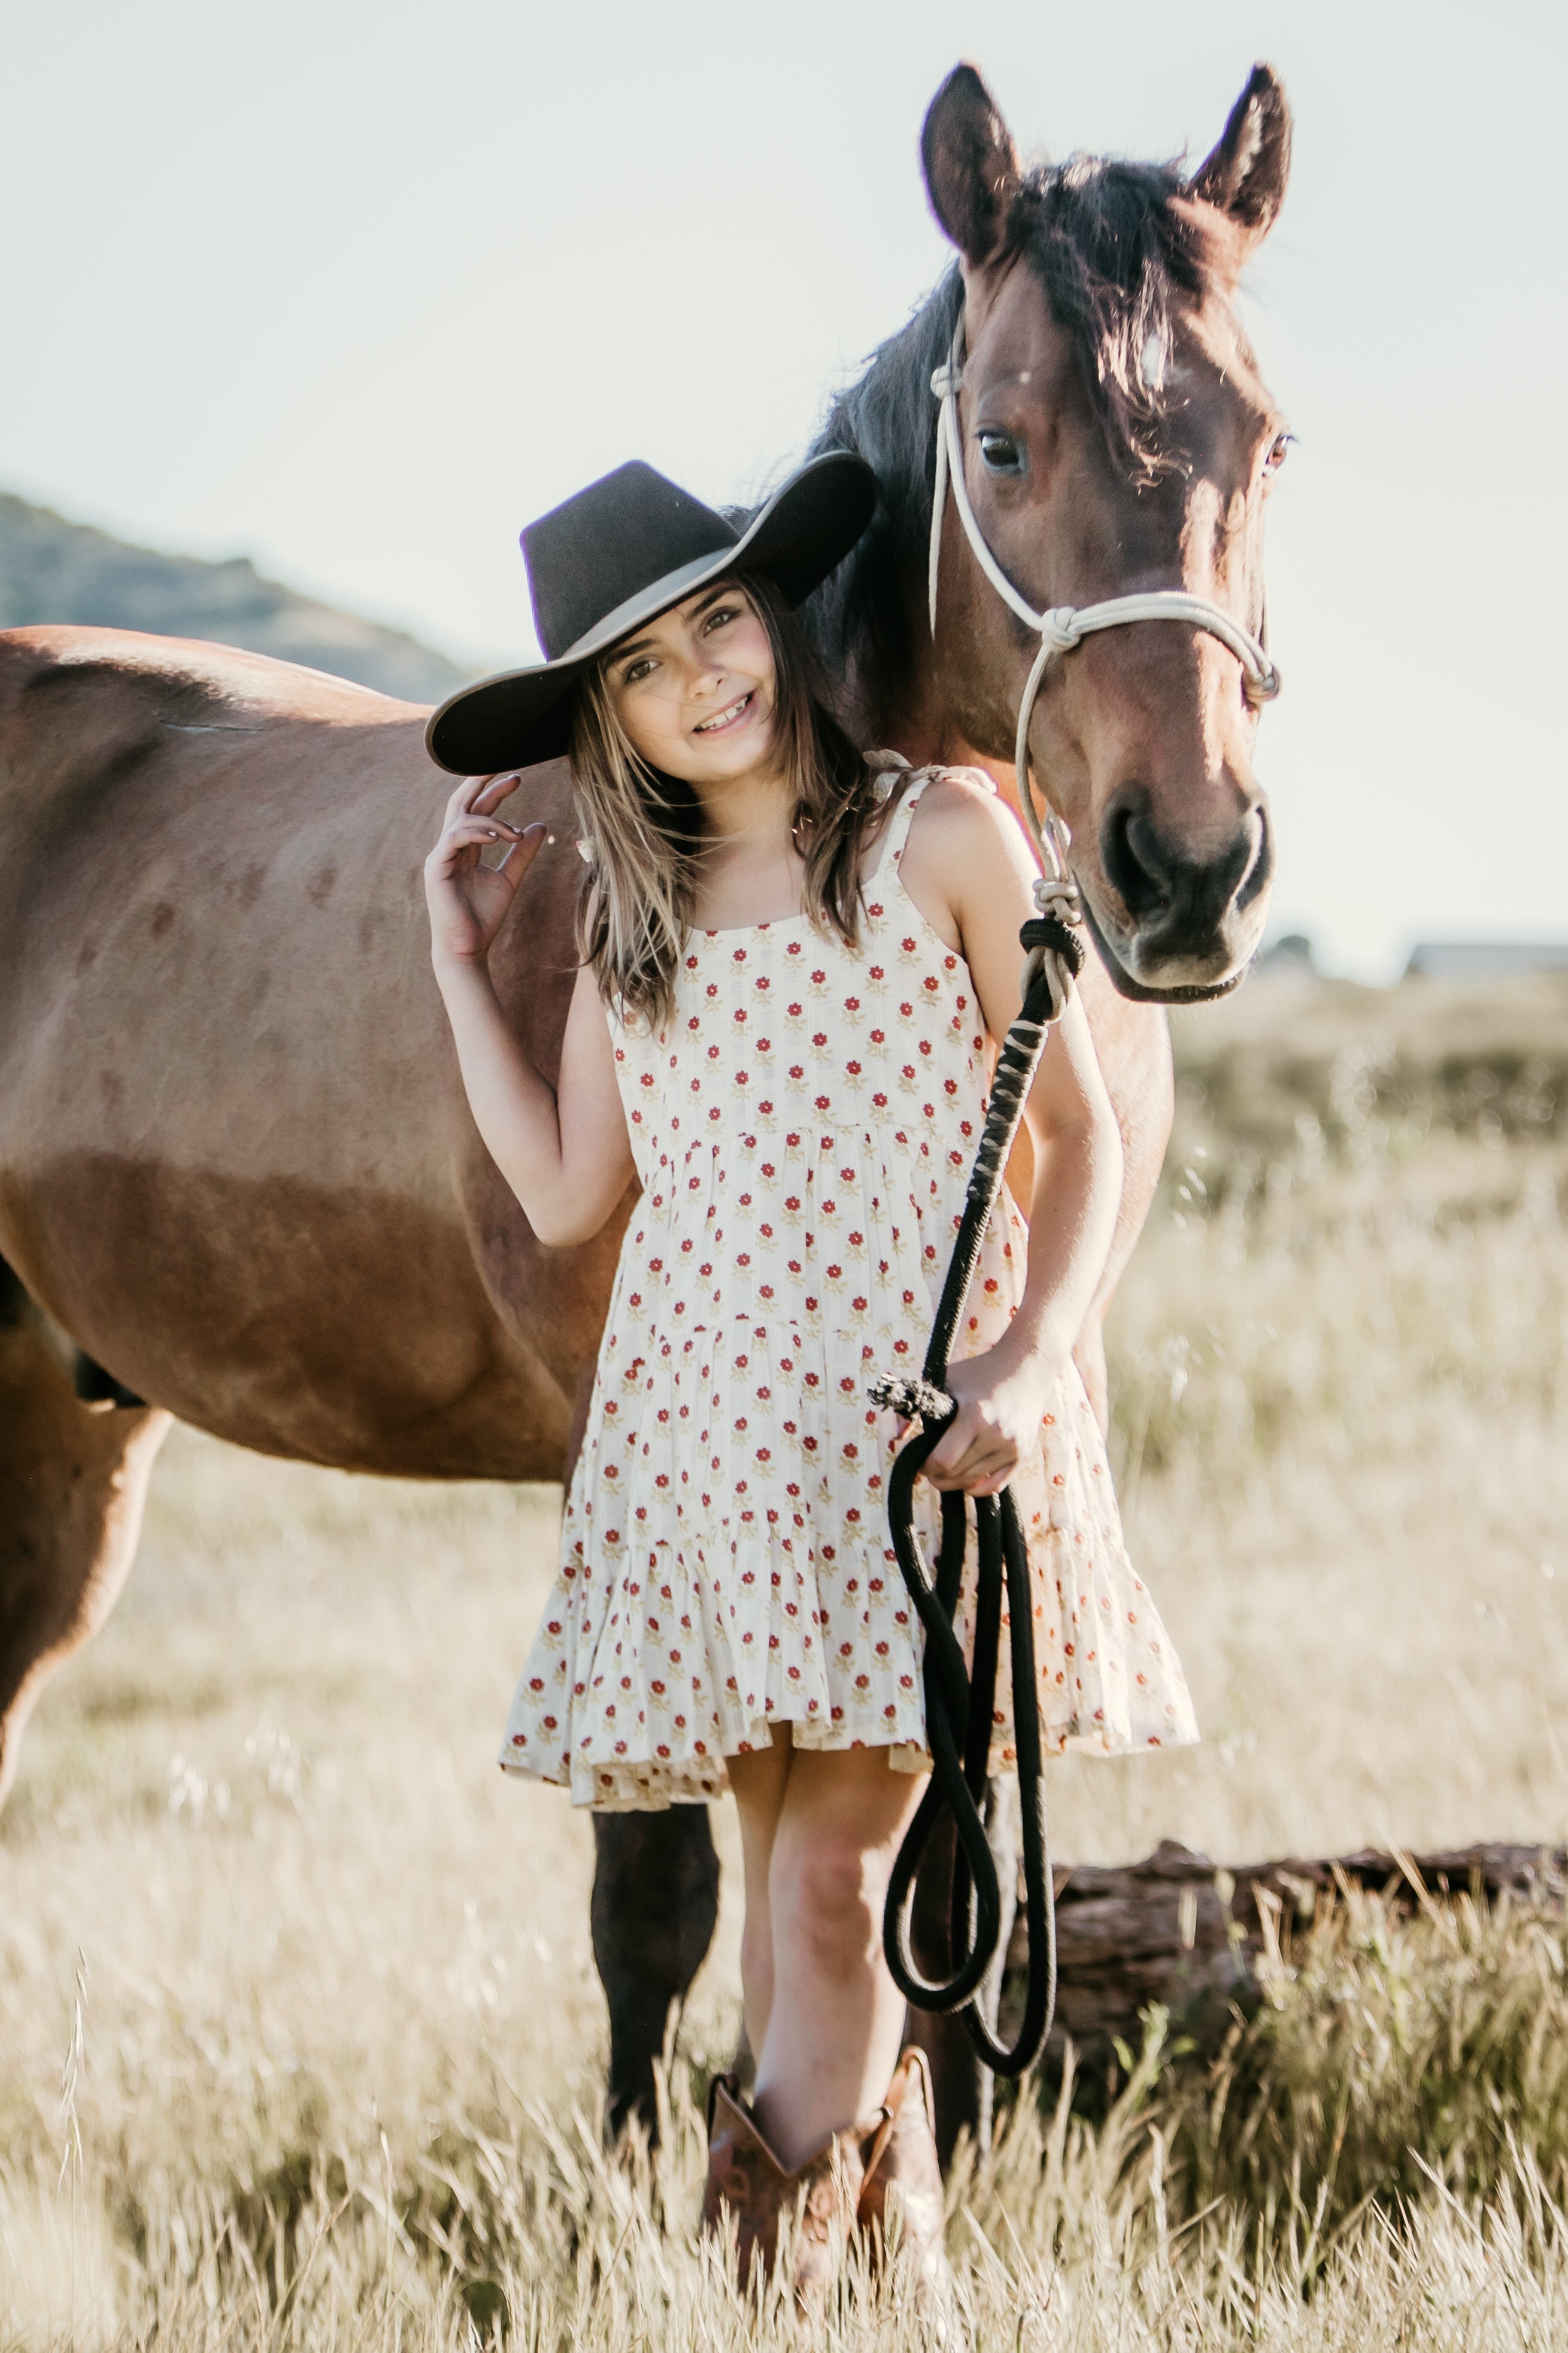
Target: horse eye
(1279, 450)
(1000, 452)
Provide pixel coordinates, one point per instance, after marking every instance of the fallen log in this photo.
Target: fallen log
(1185, 1933)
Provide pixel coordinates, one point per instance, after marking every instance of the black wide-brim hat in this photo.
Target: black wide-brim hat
(616, 556)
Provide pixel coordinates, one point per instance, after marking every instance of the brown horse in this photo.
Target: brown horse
(237, 1176)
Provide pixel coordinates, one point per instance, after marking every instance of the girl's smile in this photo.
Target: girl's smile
(725, 720)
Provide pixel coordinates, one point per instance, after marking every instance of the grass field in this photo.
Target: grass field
(299, 2040)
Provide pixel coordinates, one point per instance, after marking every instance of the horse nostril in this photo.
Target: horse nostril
(1135, 860)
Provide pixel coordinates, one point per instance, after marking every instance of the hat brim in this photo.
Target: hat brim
(521, 717)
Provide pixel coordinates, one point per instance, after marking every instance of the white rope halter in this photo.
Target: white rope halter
(1065, 627)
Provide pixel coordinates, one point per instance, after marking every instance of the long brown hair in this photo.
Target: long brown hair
(642, 830)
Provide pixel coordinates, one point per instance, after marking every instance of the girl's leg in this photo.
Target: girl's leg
(759, 1780)
(836, 2020)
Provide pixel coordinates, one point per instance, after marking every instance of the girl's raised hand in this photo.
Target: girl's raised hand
(467, 900)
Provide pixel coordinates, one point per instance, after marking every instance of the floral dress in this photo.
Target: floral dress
(802, 1127)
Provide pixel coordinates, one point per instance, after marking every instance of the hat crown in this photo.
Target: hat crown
(609, 543)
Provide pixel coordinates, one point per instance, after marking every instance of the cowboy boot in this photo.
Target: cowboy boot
(901, 2175)
(815, 2205)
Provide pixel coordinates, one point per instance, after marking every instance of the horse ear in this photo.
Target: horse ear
(1246, 174)
(969, 163)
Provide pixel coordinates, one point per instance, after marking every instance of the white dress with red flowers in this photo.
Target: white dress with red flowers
(803, 1128)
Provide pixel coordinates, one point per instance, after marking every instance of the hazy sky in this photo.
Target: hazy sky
(356, 289)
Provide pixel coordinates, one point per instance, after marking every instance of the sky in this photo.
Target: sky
(356, 289)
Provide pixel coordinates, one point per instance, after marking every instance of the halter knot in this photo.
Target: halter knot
(1058, 897)
(1060, 629)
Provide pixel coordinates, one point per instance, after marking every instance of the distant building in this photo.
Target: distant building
(1485, 959)
(1289, 957)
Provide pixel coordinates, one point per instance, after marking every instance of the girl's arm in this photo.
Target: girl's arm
(968, 870)
(563, 1150)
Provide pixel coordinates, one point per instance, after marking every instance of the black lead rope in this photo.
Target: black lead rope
(960, 1701)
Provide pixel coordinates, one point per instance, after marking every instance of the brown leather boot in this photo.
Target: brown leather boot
(815, 2205)
(902, 2175)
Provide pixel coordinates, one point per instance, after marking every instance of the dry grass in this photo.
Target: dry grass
(340, 2039)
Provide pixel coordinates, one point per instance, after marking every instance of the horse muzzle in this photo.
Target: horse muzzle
(1176, 920)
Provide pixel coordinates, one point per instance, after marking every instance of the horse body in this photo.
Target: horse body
(239, 1179)
(238, 1168)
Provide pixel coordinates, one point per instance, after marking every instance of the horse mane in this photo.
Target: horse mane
(1114, 255)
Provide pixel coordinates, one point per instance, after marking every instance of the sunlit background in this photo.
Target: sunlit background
(355, 289)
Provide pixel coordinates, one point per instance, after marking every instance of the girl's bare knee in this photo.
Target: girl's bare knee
(824, 1902)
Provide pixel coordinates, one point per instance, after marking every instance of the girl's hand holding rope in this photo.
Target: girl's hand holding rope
(1000, 1408)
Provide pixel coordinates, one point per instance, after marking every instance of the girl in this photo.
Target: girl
(794, 962)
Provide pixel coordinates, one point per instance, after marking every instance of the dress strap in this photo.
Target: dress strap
(899, 776)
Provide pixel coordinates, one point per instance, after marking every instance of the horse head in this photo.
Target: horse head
(1116, 437)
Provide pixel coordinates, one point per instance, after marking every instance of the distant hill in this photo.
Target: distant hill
(52, 570)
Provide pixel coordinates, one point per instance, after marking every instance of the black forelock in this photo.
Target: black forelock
(1115, 256)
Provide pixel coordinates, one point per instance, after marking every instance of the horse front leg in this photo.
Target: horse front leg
(656, 1900)
(73, 1481)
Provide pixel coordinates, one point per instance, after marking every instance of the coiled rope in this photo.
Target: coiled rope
(960, 1700)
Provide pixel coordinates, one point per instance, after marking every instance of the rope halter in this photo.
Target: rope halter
(1064, 627)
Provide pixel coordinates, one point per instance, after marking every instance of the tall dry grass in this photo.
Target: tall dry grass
(340, 2041)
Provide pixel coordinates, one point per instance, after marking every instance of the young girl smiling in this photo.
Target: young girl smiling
(794, 960)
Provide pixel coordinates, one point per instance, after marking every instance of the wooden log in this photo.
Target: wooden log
(1181, 1931)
